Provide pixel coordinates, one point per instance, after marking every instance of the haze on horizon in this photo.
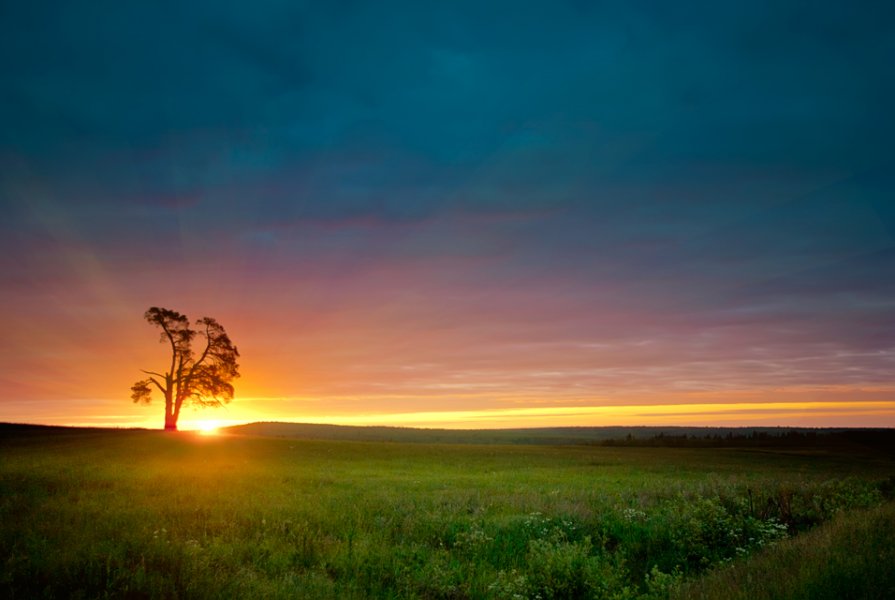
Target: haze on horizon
(519, 214)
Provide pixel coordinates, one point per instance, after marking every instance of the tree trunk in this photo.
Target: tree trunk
(170, 413)
(170, 422)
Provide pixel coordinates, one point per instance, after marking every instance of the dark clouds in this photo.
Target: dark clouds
(185, 100)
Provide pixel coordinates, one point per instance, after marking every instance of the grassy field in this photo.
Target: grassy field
(146, 514)
(852, 556)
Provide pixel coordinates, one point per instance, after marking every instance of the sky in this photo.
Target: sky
(460, 214)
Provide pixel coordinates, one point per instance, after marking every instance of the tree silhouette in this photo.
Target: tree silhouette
(202, 381)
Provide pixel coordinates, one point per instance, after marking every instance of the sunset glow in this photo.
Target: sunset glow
(637, 220)
(208, 427)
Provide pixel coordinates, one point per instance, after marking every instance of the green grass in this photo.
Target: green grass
(851, 557)
(145, 514)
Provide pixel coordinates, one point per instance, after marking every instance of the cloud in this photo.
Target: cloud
(552, 198)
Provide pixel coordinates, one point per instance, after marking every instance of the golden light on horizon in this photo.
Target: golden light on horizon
(866, 413)
(702, 414)
(794, 408)
(208, 427)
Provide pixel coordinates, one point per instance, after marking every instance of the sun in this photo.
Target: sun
(208, 427)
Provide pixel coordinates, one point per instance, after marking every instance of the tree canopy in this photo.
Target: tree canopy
(198, 379)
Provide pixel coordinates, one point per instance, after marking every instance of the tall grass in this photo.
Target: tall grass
(142, 514)
(851, 557)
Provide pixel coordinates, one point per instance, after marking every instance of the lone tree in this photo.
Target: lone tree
(200, 381)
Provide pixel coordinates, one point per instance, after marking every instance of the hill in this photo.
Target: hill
(876, 439)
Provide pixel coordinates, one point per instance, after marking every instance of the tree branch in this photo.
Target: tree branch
(173, 347)
(157, 384)
(204, 352)
(195, 365)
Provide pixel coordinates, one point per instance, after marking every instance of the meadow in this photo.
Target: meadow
(141, 514)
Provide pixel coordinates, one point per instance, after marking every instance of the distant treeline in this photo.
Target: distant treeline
(877, 439)
(683, 437)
